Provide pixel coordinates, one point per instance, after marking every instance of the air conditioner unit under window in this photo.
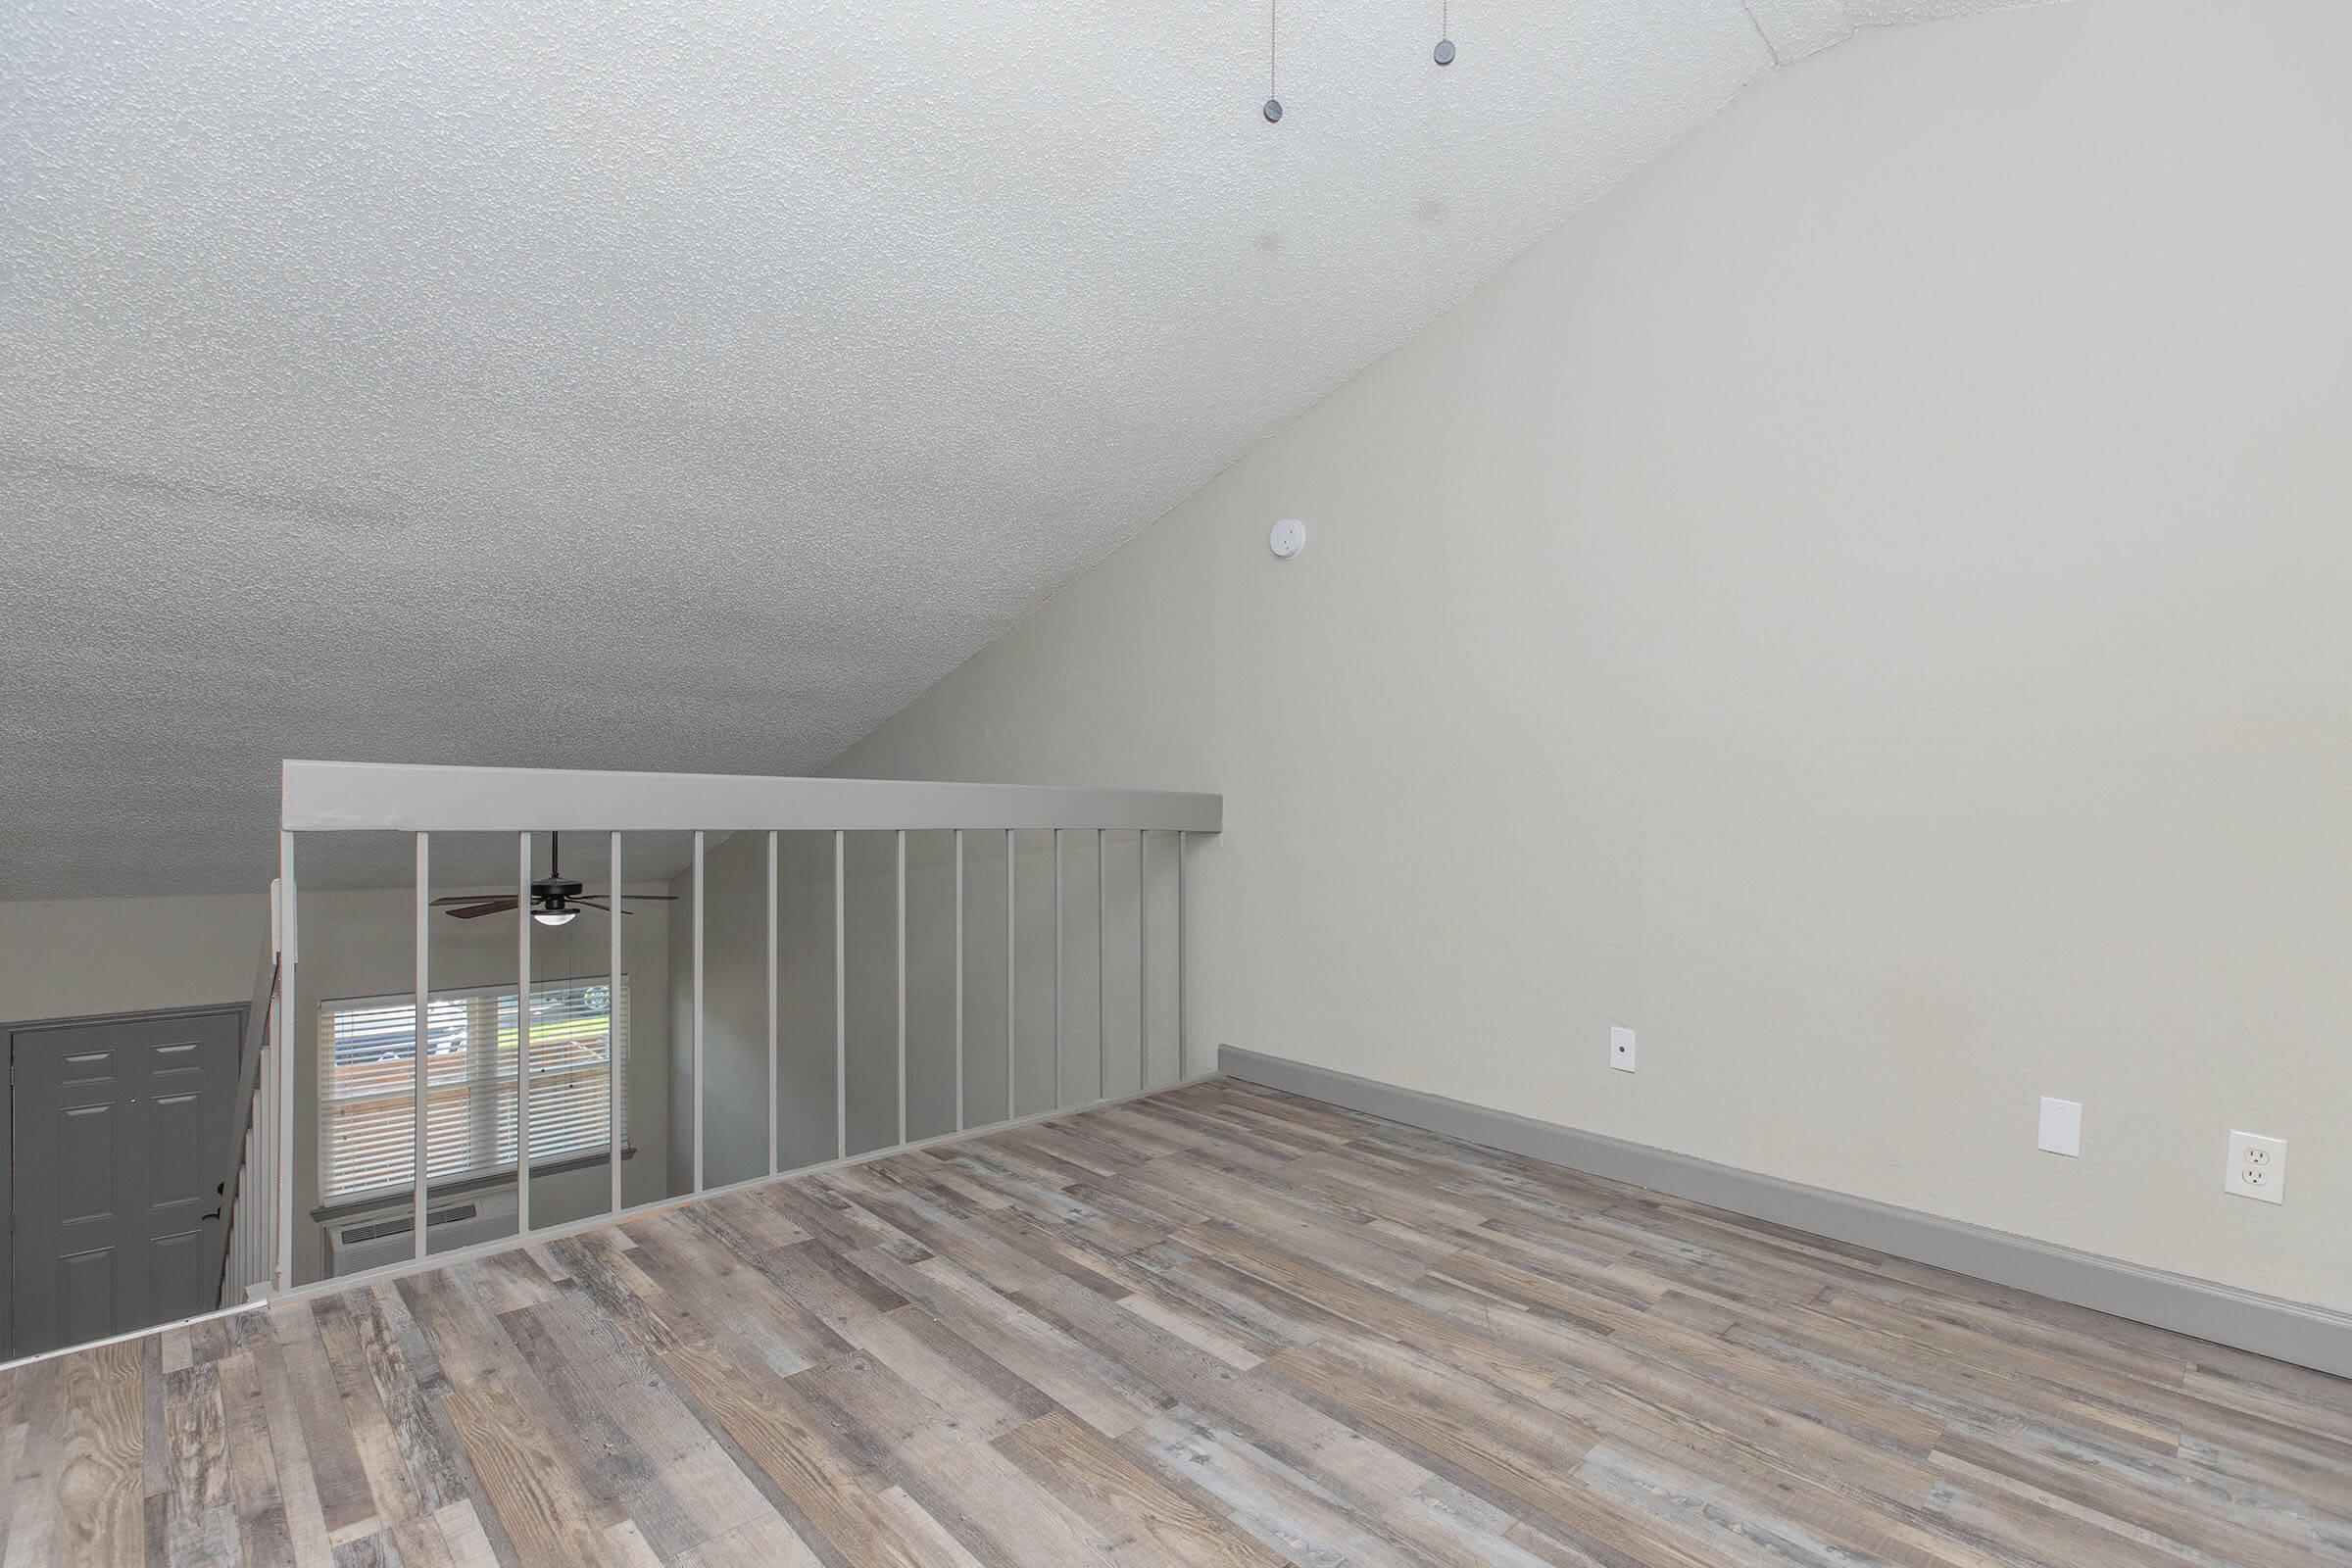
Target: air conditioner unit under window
(389, 1235)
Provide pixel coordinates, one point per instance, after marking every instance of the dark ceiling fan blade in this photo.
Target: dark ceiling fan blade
(655, 898)
(466, 897)
(591, 903)
(474, 912)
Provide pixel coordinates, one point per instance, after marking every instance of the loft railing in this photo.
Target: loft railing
(333, 797)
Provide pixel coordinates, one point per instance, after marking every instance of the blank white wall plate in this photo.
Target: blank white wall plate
(2061, 1126)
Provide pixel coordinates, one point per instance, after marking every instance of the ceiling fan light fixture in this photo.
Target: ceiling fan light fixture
(554, 917)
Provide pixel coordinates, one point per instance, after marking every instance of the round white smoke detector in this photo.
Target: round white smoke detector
(1287, 539)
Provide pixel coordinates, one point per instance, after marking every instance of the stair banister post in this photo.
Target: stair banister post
(282, 1273)
(614, 1130)
(420, 1146)
(522, 1037)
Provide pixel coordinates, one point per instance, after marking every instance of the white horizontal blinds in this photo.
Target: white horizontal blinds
(568, 1080)
(366, 1063)
(366, 1056)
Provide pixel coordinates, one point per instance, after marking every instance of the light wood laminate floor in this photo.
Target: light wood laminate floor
(1219, 1326)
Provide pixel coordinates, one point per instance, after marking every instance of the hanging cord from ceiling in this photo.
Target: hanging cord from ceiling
(1273, 103)
(1442, 54)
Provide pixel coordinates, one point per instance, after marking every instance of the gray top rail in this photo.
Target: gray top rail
(351, 796)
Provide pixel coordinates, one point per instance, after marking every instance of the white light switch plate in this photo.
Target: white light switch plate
(2061, 1126)
(2256, 1168)
(1621, 1048)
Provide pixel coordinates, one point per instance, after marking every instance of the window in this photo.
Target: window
(368, 1079)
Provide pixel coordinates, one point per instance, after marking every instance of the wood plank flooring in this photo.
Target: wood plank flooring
(1220, 1326)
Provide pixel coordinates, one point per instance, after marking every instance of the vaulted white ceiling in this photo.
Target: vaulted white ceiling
(687, 386)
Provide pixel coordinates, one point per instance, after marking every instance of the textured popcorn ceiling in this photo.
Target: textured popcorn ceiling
(686, 385)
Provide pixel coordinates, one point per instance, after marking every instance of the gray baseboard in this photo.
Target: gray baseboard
(2286, 1331)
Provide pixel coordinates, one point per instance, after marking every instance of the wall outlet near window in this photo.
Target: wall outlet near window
(2256, 1167)
(1621, 1048)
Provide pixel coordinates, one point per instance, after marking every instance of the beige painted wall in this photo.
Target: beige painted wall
(81, 958)
(1865, 604)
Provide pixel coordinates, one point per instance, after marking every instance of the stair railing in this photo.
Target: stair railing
(248, 1194)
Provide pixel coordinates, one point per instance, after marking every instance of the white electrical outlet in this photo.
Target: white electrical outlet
(1621, 1048)
(2061, 1126)
(2256, 1167)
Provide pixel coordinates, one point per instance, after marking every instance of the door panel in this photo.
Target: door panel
(120, 1131)
(176, 1274)
(89, 1290)
(176, 1154)
(85, 1164)
(84, 1067)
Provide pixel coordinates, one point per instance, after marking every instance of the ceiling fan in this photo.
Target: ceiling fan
(555, 898)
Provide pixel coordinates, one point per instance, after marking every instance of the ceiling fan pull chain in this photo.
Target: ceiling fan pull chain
(1273, 104)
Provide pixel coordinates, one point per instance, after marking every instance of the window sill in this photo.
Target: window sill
(439, 1191)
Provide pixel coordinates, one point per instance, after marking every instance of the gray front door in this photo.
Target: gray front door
(122, 1131)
